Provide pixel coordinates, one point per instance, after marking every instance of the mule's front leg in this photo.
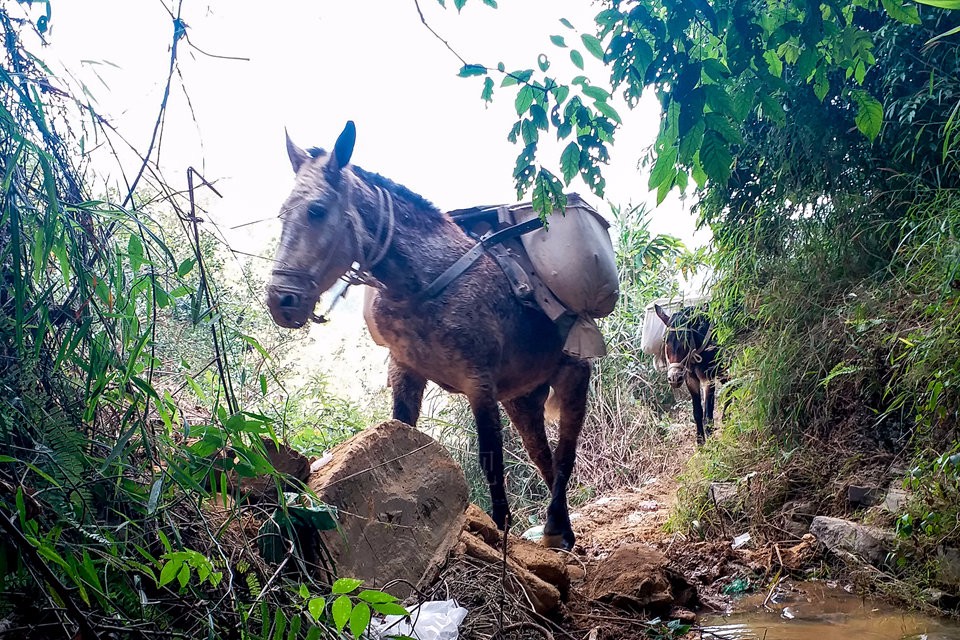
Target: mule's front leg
(490, 445)
(407, 387)
(571, 385)
(693, 385)
(710, 394)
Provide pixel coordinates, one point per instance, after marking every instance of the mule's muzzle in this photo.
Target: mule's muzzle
(288, 307)
(676, 374)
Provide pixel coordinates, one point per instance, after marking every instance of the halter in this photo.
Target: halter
(694, 355)
(364, 261)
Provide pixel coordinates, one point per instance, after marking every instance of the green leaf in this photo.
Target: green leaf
(487, 94)
(340, 610)
(906, 13)
(942, 4)
(523, 100)
(135, 252)
(516, 77)
(389, 609)
(715, 69)
(543, 62)
(459, 4)
(547, 193)
(558, 41)
(570, 162)
(869, 117)
(576, 58)
(490, 3)
(359, 619)
(597, 93)
(345, 585)
(468, 70)
(316, 606)
(375, 596)
(608, 111)
(566, 23)
(665, 167)
(690, 143)
(715, 157)
(184, 576)
(186, 267)
(593, 45)
(821, 84)
(773, 109)
(169, 572)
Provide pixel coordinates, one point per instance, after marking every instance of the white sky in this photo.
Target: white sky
(313, 64)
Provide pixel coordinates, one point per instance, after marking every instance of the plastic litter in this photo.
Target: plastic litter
(533, 533)
(433, 620)
(740, 540)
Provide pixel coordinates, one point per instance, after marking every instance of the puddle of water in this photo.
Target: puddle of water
(814, 611)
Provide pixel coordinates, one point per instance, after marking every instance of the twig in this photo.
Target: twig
(503, 571)
(523, 625)
(437, 35)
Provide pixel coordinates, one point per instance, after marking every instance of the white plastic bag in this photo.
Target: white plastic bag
(434, 620)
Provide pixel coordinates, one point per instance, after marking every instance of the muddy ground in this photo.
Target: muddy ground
(628, 569)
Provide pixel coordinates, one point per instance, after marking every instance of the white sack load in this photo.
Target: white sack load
(651, 340)
(574, 257)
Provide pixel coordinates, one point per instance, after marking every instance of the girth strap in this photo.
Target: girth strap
(471, 256)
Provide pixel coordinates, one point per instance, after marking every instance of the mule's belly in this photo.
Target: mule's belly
(513, 357)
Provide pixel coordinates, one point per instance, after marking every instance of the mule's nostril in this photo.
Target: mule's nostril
(289, 300)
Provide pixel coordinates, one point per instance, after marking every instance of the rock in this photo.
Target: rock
(864, 496)
(401, 499)
(838, 535)
(636, 576)
(896, 500)
(721, 492)
(948, 566)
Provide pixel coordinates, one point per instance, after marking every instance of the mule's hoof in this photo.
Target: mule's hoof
(557, 541)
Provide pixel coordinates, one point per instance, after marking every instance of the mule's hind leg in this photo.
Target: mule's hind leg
(571, 384)
(407, 386)
(526, 415)
(490, 445)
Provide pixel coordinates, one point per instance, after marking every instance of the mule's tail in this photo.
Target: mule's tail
(551, 409)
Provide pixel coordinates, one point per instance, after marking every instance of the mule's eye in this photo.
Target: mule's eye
(316, 210)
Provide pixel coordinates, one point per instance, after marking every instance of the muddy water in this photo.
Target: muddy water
(822, 611)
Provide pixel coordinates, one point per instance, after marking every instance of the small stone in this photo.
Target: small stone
(721, 492)
(896, 500)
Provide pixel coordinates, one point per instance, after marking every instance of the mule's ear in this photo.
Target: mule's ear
(344, 147)
(297, 155)
(662, 314)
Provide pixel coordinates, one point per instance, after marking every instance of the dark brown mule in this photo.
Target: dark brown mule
(691, 355)
(474, 337)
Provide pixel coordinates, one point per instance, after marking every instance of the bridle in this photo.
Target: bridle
(694, 356)
(364, 261)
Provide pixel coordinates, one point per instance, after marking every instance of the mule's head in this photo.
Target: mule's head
(679, 344)
(317, 244)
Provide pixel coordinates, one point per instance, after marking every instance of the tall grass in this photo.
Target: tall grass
(105, 478)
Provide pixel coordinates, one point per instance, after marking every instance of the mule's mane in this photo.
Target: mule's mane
(426, 210)
(688, 329)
